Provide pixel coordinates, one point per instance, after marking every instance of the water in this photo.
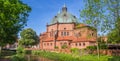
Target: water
(37, 58)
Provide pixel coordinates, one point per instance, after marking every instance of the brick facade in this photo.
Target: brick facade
(70, 34)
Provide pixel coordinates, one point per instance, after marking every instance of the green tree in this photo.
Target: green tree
(94, 15)
(113, 7)
(13, 17)
(28, 37)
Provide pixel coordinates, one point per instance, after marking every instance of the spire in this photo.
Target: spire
(64, 5)
(64, 8)
(59, 12)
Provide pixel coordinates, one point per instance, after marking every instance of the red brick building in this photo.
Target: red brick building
(65, 31)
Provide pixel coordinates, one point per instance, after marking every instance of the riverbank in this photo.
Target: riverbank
(49, 56)
(72, 57)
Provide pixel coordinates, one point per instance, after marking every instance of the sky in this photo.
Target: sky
(44, 10)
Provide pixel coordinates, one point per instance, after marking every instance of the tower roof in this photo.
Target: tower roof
(64, 17)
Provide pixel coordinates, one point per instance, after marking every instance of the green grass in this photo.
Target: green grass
(72, 57)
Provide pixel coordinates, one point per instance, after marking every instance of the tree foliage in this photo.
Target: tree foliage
(93, 15)
(104, 15)
(13, 17)
(28, 37)
(114, 17)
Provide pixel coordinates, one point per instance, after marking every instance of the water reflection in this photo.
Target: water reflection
(36, 58)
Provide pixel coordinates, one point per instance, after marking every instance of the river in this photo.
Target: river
(37, 58)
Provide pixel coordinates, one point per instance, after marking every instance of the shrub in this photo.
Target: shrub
(92, 47)
(20, 50)
(75, 50)
(103, 46)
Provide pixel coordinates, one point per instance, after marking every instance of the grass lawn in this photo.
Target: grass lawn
(71, 57)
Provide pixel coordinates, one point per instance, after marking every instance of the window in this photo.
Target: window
(61, 43)
(51, 44)
(61, 33)
(69, 43)
(76, 44)
(92, 34)
(64, 33)
(45, 44)
(67, 33)
(65, 43)
(64, 28)
(79, 44)
(83, 44)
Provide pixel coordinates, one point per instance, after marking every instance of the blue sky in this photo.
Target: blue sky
(44, 10)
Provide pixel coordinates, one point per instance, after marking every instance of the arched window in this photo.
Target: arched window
(47, 44)
(92, 34)
(83, 44)
(64, 33)
(65, 43)
(61, 33)
(76, 44)
(67, 33)
(44, 44)
(79, 44)
(51, 44)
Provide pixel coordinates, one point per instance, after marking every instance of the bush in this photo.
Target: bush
(21, 50)
(75, 50)
(103, 46)
(28, 51)
(92, 47)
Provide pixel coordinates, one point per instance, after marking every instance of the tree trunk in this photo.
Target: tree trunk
(98, 50)
(0, 50)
